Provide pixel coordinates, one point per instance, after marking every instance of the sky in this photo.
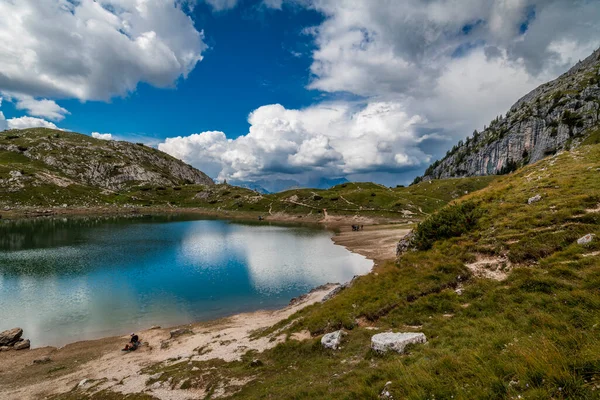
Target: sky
(261, 90)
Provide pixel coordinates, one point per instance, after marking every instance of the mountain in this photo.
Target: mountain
(60, 166)
(265, 186)
(555, 116)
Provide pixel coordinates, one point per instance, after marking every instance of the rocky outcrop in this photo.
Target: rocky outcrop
(10, 336)
(65, 158)
(383, 342)
(553, 117)
(11, 340)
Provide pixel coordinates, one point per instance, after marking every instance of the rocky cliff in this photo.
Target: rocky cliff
(46, 158)
(555, 116)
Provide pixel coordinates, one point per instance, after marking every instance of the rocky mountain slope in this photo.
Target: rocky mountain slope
(555, 116)
(40, 161)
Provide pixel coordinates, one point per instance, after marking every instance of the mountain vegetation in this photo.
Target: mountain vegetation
(50, 169)
(509, 302)
(556, 116)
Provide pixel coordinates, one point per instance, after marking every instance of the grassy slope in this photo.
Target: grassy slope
(535, 335)
(352, 198)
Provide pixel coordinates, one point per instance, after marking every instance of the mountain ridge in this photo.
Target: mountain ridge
(553, 117)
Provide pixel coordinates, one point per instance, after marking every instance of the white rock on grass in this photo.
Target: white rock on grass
(332, 340)
(534, 199)
(383, 342)
(586, 239)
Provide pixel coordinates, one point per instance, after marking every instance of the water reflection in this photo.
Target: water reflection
(66, 280)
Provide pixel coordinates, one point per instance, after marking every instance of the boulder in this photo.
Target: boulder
(405, 244)
(181, 331)
(586, 239)
(22, 345)
(5, 348)
(383, 342)
(332, 340)
(11, 336)
(534, 199)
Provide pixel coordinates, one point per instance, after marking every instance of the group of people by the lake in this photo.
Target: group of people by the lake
(357, 227)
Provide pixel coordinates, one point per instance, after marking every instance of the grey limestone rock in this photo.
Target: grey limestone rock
(383, 342)
(332, 340)
(534, 199)
(586, 239)
(551, 118)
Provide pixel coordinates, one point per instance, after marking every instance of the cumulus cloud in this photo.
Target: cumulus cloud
(92, 50)
(29, 122)
(457, 63)
(328, 139)
(40, 108)
(102, 136)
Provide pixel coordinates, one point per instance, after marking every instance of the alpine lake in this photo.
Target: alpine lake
(69, 279)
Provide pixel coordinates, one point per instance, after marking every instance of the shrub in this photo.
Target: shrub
(316, 197)
(451, 221)
(22, 148)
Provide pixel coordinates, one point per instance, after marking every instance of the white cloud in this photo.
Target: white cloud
(222, 5)
(92, 50)
(102, 136)
(458, 63)
(39, 108)
(329, 139)
(29, 122)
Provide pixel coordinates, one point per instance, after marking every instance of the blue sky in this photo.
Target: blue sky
(254, 90)
(256, 57)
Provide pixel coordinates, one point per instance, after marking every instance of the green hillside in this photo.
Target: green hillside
(509, 302)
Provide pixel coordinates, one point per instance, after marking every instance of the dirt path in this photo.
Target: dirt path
(104, 366)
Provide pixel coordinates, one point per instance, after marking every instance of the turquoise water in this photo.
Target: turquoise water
(64, 280)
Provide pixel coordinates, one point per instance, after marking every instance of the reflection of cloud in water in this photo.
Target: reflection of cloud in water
(277, 258)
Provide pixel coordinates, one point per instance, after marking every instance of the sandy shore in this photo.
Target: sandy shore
(102, 362)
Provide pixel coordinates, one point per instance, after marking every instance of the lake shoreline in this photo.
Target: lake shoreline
(324, 219)
(375, 242)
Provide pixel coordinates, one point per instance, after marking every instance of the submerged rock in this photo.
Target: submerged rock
(11, 336)
(382, 342)
(332, 340)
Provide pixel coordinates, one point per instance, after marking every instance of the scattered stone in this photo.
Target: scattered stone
(5, 348)
(155, 327)
(534, 199)
(44, 360)
(164, 345)
(155, 376)
(382, 342)
(82, 383)
(22, 345)
(11, 336)
(586, 239)
(195, 369)
(256, 363)
(332, 340)
(385, 393)
(181, 331)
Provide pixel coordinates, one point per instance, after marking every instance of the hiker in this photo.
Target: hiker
(133, 344)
